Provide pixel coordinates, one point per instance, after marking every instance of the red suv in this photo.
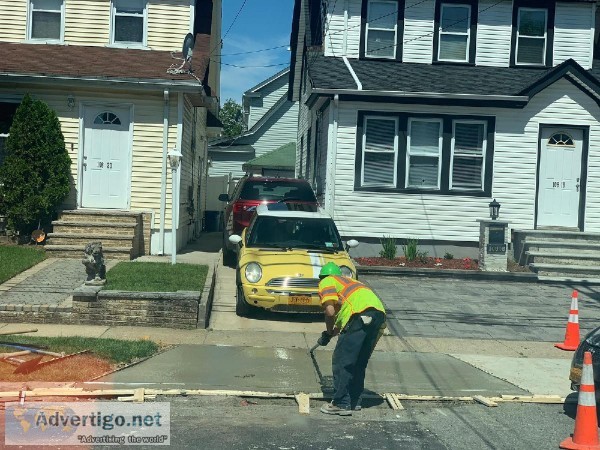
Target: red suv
(253, 191)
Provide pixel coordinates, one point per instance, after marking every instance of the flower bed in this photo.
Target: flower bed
(421, 263)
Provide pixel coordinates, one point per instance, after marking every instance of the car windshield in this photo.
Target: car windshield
(294, 232)
(277, 190)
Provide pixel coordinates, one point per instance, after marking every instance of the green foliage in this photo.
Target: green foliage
(15, 259)
(136, 276)
(448, 255)
(389, 247)
(114, 350)
(34, 178)
(232, 117)
(410, 249)
(422, 256)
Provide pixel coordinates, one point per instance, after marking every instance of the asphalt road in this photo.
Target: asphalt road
(228, 423)
(433, 307)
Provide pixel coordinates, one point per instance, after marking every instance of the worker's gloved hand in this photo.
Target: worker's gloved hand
(324, 339)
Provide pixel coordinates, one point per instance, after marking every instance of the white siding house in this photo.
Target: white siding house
(412, 130)
(123, 100)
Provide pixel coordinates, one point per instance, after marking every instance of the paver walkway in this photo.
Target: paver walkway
(48, 283)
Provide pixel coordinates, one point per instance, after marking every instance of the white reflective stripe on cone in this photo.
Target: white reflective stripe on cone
(586, 399)
(574, 318)
(587, 376)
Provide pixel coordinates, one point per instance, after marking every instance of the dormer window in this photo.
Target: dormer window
(46, 20)
(129, 22)
(532, 36)
(533, 33)
(382, 29)
(455, 31)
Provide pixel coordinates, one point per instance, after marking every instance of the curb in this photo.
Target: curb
(457, 274)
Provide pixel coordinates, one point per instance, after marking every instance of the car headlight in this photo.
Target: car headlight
(253, 272)
(347, 272)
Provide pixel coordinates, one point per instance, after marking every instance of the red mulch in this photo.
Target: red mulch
(83, 367)
(425, 263)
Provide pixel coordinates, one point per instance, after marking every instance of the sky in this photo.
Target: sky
(261, 24)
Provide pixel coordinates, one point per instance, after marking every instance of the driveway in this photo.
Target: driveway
(467, 309)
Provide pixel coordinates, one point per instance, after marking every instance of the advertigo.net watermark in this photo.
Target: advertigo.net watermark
(88, 423)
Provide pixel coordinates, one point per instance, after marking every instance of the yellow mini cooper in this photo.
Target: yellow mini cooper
(281, 253)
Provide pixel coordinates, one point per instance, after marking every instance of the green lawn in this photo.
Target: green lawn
(14, 259)
(115, 351)
(138, 276)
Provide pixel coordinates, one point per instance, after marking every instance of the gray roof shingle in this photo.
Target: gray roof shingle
(331, 73)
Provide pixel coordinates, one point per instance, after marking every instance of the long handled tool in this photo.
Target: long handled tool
(321, 342)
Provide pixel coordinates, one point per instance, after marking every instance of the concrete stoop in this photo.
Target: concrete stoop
(124, 235)
(560, 256)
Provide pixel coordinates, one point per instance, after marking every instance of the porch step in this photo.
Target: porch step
(87, 216)
(121, 233)
(567, 271)
(108, 240)
(556, 279)
(88, 228)
(565, 257)
(76, 251)
(557, 236)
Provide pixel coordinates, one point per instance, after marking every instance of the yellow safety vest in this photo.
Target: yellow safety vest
(354, 297)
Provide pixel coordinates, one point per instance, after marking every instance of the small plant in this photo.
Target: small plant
(410, 249)
(389, 247)
(422, 256)
(467, 263)
(448, 255)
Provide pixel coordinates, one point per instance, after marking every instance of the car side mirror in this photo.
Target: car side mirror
(223, 197)
(351, 244)
(235, 239)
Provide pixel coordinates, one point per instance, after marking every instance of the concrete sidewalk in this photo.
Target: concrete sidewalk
(412, 365)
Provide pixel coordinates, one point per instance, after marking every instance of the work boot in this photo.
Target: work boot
(330, 408)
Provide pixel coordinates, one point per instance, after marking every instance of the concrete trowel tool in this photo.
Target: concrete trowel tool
(316, 364)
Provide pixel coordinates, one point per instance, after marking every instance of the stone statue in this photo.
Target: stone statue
(93, 261)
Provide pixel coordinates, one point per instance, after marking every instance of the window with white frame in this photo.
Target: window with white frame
(423, 152)
(380, 151)
(129, 22)
(454, 32)
(532, 36)
(468, 155)
(46, 20)
(381, 29)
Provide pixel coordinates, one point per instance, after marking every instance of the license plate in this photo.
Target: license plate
(299, 300)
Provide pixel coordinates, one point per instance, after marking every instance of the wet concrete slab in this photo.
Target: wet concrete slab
(286, 370)
(224, 367)
(424, 374)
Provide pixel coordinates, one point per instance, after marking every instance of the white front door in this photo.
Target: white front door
(106, 158)
(559, 184)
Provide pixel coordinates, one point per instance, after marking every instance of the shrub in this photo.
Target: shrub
(448, 255)
(422, 256)
(389, 247)
(34, 178)
(410, 249)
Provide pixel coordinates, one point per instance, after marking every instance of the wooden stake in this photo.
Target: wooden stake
(484, 400)
(6, 333)
(138, 395)
(303, 401)
(394, 401)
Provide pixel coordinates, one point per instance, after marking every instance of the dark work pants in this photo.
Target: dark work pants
(351, 356)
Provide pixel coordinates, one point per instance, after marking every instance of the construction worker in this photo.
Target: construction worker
(353, 311)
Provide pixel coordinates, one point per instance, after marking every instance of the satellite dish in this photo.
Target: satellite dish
(188, 46)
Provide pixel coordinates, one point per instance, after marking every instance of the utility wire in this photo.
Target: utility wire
(230, 27)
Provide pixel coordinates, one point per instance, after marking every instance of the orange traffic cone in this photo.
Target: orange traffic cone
(585, 436)
(572, 332)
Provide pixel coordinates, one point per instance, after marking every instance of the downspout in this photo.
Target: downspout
(353, 73)
(335, 113)
(163, 178)
(180, 101)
